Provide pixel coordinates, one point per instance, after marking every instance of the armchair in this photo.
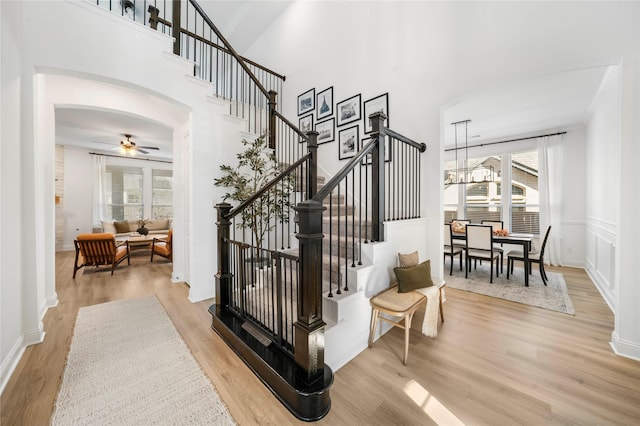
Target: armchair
(163, 247)
(99, 249)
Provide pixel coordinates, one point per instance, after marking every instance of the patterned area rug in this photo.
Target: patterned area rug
(554, 296)
(129, 366)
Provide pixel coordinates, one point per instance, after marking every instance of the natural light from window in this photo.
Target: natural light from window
(430, 404)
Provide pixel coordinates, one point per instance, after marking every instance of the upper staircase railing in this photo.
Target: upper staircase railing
(250, 88)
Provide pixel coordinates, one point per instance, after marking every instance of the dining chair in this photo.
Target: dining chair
(534, 257)
(480, 247)
(451, 249)
(99, 249)
(496, 225)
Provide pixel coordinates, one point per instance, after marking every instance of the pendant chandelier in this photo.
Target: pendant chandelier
(463, 172)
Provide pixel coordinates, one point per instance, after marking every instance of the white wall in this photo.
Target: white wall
(603, 181)
(78, 190)
(13, 328)
(430, 54)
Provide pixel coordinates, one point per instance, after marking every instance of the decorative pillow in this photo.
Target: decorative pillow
(121, 226)
(157, 224)
(414, 277)
(108, 227)
(409, 259)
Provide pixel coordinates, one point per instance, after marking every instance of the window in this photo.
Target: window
(162, 198)
(480, 200)
(124, 193)
(134, 193)
(525, 201)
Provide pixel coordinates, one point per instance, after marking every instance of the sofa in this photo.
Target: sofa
(122, 228)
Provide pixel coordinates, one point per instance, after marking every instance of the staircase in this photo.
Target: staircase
(314, 294)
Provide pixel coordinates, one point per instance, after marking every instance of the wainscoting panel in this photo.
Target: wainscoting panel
(601, 256)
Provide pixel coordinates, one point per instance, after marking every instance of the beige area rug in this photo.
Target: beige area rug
(129, 366)
(554, 296)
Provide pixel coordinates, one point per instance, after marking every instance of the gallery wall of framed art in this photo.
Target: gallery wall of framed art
(349, 118)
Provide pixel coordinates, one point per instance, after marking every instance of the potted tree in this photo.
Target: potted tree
(256, 167)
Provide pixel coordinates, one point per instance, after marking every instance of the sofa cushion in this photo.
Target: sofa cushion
(157, 224)
(108, 227)
(122, 226)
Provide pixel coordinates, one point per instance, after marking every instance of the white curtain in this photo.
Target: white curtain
(99, 190)
(550, 192)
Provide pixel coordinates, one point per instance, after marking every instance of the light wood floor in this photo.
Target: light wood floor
(493, 363)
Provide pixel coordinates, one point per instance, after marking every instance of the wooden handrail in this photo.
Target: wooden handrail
(328, 187)
(290, 124)
(225, 50)
(267, 187)
(232, 51)
(420, 146)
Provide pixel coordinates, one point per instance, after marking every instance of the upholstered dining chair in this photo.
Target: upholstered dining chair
(480, 247)
(534, 257)
(99, 249)
(163, 247)
(450, 249)
(495, 225)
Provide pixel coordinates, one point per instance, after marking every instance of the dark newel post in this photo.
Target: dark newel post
(312, 176)
(223, 278)
(272, 118)
(175, 26)
(154, 12)
(377, 176)
(309, 327)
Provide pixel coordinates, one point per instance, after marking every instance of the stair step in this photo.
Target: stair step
(337, 223)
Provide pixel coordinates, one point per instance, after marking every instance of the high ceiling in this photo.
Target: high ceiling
(551, 102)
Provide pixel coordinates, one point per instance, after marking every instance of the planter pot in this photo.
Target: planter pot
(142, 230)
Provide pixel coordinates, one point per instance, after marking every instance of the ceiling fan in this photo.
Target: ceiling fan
(127, 146)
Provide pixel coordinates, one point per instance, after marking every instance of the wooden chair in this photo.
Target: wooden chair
(450, 249)
(163, 247)
(402, 306)
(99, 249)
(480, 247)
(495, 225)
(534, 257)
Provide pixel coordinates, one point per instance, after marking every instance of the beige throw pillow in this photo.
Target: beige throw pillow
(409, 259)
(108, 227)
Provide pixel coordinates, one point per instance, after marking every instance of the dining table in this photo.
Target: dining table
(523, 240)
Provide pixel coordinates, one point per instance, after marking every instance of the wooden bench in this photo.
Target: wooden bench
(402, 306)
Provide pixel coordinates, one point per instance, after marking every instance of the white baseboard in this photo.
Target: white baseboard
(624, 348)
(10, 363)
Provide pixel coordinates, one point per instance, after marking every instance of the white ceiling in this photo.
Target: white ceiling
(102, 131)
(546, 103)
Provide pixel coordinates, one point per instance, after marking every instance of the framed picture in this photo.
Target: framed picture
(349, 110)
(306, 101)
(324, 103)
(387, 151)
(326, 131)
(306, 123)
(348, 142)
(379, 103)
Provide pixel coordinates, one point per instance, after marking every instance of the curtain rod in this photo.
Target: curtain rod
(131, 158)
(510, 140)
